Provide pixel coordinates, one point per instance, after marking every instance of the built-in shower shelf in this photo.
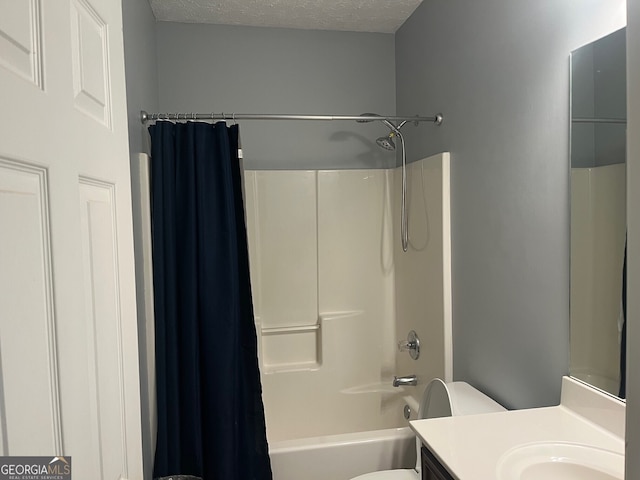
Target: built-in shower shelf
(290, 348)
(285, 368)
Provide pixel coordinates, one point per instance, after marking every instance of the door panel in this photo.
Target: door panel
(104, 340)
(29, 376)
(68, 330)
(90, 49)
(20, 36)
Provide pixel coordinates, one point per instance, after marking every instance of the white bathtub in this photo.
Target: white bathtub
(341, 457)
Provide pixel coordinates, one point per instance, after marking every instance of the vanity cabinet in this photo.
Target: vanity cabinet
(432, 469)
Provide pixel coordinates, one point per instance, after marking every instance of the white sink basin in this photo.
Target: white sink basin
(565, 461)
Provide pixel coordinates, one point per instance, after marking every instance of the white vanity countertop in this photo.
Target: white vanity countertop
(471, 446)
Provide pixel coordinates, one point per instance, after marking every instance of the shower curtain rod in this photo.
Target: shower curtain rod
(147, 117)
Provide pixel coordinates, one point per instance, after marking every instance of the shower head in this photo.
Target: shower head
(387, 142)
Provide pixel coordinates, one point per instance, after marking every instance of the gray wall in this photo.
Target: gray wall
(141, 66)
(205, 68)
(139, 30)
(499, 71)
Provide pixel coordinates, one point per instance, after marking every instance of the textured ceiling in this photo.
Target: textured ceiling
(351, 15)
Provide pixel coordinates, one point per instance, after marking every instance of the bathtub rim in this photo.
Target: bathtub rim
(341, 439)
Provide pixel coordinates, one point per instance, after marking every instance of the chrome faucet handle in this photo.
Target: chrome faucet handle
(408, 380)
(411, 345)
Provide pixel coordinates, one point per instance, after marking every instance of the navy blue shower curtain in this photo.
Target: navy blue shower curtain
(210, 412)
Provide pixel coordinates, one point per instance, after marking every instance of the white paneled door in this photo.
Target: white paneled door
(68, 339)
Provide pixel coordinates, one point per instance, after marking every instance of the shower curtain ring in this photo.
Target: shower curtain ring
(234, 118)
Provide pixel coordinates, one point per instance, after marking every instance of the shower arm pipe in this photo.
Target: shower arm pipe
(148, 117)
(394, 128)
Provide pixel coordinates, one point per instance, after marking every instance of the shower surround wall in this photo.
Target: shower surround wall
(423, 295)
(325, 260)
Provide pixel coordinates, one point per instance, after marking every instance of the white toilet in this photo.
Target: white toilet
(440, 400)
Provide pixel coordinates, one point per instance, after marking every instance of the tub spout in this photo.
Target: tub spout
(406, 380)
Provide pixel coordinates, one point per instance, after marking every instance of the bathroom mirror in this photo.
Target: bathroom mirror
(598, 210)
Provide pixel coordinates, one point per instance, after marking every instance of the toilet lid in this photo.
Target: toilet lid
(442, 399)
(436, 401)
(403, 474)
